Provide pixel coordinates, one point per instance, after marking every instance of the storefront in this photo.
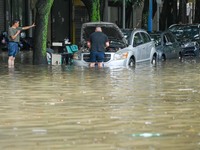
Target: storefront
(15, 9)
(59, 23)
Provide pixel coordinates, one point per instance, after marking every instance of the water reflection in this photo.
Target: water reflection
(67, 107)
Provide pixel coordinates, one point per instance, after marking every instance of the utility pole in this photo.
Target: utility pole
(124, 15)
(150, 16)
(159, 4)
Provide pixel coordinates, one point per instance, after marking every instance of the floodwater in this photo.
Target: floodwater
(74, 108)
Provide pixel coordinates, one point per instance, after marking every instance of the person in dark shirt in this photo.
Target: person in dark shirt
(14, 39)
(97, 43)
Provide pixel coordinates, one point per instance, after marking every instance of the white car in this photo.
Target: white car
(141, 48)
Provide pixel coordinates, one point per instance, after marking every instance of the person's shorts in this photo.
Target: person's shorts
(12, 48)
(96, 56)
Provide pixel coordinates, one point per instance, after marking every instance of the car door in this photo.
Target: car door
(138, 46)
(147, 45)
(175, 45)
(168, 46)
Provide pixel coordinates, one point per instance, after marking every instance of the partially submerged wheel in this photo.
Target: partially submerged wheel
(131, 62)
(180, 57)
(163, 58)
(154, 60)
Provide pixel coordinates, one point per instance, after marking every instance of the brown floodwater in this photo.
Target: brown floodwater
(74, 108)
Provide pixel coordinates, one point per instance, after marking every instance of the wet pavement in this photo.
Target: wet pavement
(68, 107)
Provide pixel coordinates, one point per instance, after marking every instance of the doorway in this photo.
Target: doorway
(61, 16)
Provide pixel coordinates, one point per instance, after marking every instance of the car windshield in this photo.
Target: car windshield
(185, 31)
(190, 31)
(156, 38)
(127, 34)
(177, 30)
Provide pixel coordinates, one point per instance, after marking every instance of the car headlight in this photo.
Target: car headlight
(77, 56)
(120, 56)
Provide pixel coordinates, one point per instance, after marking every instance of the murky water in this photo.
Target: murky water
(73, 108)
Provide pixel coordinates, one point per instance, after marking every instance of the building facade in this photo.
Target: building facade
(65, 19)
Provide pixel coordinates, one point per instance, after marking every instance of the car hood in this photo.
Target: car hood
(110, 29)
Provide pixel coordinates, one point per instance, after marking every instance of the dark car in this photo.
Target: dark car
(188, 36)
(167, 45)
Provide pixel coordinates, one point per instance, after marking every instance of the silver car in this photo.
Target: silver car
(141, 48)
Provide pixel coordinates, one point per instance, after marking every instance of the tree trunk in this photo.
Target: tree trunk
(182, 11)
(166, 15)
(129, 10)
(43, 8)
(95, 14)
(197, 12)
(174, 12)
(95, 9)
(154, 8)
(145, 13)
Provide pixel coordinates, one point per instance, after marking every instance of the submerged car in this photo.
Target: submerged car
(189, 37)
(167, 45)
(141, 48)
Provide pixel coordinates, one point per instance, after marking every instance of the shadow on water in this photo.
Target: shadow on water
(69, 107)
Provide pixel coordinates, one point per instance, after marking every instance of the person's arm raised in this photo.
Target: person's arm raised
(28, 27)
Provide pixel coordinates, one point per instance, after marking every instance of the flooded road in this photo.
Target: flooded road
(73, 108)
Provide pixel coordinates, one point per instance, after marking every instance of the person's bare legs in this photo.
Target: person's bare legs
(92, 65)
(11, 62)
(100, 64)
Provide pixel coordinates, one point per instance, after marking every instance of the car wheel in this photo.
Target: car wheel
(131, 62)
(163, 58)
(154, 60)
(180, 57)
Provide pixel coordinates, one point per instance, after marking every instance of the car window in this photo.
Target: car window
(172, 38)
(169, 38)
(191, 31)
(178, 30)
(137, 40)
(145, 37)
(165, 39)
(127, 35)
(156, 38)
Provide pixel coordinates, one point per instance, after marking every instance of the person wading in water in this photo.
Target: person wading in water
(14, 39)
(97, 43)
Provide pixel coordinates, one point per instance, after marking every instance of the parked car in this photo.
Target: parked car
(119, 53)
(177, 30)
(189, 37)
(167, 45)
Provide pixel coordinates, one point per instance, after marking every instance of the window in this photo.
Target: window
(145, 37)
(170, 38)
(137, 40)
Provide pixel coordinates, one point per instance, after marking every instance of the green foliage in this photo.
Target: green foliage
(44, 8)
(95, 15)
